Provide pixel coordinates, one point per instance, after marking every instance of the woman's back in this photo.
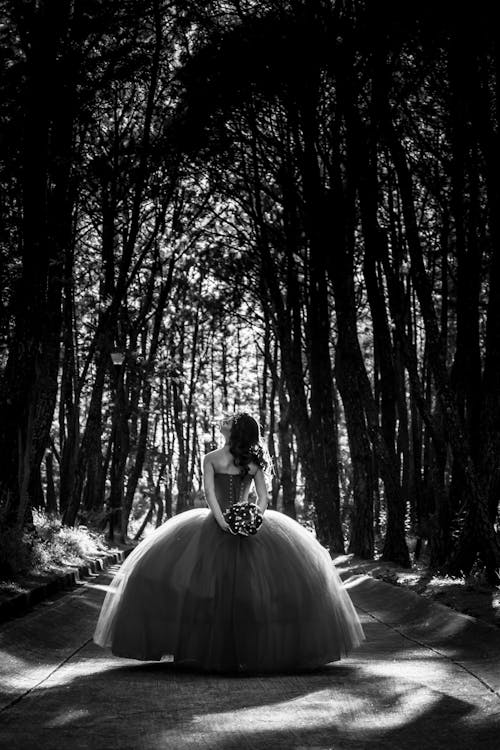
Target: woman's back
(231, 488)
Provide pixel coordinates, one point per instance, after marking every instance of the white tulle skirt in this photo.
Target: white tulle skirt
(269, 602)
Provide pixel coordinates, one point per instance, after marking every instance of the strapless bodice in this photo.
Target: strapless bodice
(231, 488)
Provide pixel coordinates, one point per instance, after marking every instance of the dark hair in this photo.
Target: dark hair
(245, 445)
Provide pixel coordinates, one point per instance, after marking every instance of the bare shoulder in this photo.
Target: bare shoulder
(212, 457)
(214, 454)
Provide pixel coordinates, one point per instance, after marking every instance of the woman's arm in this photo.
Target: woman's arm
(209, 487)
(261, 489)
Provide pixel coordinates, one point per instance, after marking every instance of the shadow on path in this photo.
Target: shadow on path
(397, 691)
(90, 703)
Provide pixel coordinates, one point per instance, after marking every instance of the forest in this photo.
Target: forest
(289, 207)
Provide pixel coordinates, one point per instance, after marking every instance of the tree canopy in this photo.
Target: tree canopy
(289, 207)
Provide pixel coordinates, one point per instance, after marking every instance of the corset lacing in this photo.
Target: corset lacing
(231, 489)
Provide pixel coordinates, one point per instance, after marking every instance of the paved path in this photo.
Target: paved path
(426, 678)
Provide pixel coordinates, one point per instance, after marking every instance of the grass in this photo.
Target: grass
(46, 550)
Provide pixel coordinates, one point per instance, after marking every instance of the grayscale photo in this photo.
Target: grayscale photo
(249, 375)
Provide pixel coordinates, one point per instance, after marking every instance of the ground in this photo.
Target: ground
(471, 596)
(425, 678)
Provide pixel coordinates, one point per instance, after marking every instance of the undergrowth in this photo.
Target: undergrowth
(46, 546)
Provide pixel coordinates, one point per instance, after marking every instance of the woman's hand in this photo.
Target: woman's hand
(225, 526)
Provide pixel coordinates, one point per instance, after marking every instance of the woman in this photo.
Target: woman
(225, 596)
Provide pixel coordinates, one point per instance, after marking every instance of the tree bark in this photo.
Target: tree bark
(29, 383)
(477, 536)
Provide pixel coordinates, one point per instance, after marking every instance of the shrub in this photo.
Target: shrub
(45, 545)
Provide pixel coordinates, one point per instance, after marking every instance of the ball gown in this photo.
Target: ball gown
(227, 603)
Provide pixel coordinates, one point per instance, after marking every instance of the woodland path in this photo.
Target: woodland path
(427, 677)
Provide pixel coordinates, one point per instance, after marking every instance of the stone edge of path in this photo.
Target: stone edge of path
(471, 643)
(350, 566)
(68, 579)
(349, 570)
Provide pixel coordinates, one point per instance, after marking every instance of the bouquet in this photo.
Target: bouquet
(244, 518)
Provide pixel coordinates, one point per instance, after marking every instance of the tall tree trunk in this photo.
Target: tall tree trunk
(89, 453)
(135, 473)
(271, 443)
(487, 126)
(287, 474)
(320, 462)
(324, 455)
(120, 449)
(29, 383)
(49, 478)
(477, 535)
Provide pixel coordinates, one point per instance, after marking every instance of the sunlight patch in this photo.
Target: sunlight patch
(77, 670)
(355, 580)
(99, 586)
(69, 717)
(324, 709)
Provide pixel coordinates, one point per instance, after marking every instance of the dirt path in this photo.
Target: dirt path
(426, 677)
